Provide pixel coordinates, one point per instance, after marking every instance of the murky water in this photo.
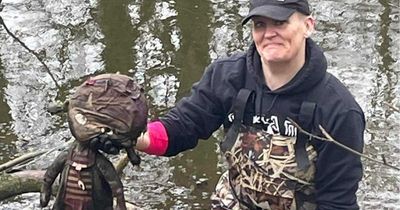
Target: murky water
(166, 45)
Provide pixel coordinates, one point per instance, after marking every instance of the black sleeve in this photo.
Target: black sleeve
(338, 170)
(55, 168)
(109, 173)
(196, 116)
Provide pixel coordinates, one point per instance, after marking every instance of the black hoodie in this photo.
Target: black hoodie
(208, 107)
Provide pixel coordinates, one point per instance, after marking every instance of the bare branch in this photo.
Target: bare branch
(391, 106)
(20, 159)
(330, 139)
(121, 164)
(31, 51)
(354, 151)
(25, 159)
(305, 132)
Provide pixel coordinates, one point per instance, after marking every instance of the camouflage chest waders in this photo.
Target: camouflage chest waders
(266, 171)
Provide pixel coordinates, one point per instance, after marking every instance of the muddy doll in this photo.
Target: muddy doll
(108, 107)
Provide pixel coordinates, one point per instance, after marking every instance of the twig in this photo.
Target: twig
(121, 164)
(29, 50)
(383, 159)
(27, 158)
(362, 155)
(391, 106)
(45, 152)
(20, 159)
(305, 132)
(330, 139)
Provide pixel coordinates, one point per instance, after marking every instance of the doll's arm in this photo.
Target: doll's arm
(51, 174)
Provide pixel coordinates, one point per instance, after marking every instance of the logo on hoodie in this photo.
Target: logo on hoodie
(271, 124)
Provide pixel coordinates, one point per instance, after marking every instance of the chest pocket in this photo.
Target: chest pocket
(264, 172)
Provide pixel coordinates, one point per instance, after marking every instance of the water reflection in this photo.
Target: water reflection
(155, 48)
(383, 121)
(166, 45)
(118, 35)
(6, 136)
(228, 35)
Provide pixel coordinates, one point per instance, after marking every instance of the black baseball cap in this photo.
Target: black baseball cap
(276, 9)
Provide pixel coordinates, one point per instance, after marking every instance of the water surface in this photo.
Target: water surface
(166, 45)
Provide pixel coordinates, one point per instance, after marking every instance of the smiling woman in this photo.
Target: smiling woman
(171, 42)
(252, 94)
(281, 45)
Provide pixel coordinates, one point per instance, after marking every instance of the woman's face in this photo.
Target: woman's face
(281, 41)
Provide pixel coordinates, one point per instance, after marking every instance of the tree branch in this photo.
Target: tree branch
(26, 158)
(391, 106)
(121, 164)
(20, 159)
(330, 139)
(31, 51)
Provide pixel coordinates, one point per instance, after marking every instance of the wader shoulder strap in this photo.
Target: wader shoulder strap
(306, 119)
(239, 107)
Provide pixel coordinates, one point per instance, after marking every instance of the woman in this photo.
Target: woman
(282, 76)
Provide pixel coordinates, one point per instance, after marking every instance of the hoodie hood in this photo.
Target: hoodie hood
(310, 74)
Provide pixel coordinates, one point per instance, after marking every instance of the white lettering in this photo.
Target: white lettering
(231, 117)
(273, 126)
(290, 129)
(256, 119)
(265, 120)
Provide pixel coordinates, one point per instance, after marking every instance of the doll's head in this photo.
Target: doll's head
(108, 104)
